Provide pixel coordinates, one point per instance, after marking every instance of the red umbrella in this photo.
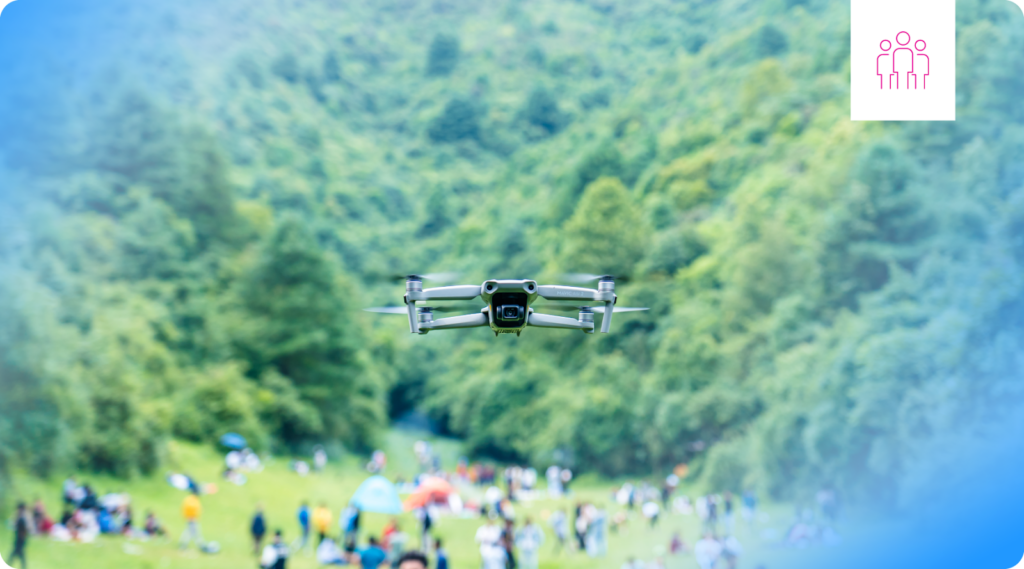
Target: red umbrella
(432, 489)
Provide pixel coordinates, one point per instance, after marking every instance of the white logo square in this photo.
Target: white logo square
(903, 60)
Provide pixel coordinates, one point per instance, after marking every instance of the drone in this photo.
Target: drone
(509, 303)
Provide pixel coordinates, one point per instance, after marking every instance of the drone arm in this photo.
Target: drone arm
(459, 292)
(467, 321)
(548, 321)
(558, 292)
(410, 305)
(606, 320)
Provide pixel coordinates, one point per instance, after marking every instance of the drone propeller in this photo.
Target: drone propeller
(597, 309)
(580, 278)
(387, 310)
(440, 277)
(404, 310)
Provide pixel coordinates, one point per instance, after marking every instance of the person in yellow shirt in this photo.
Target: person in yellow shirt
(191, 509)
(322, 520)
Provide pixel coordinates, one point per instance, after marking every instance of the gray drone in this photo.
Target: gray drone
(508, 308)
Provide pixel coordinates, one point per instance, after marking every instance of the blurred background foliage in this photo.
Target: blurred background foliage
(190, 233)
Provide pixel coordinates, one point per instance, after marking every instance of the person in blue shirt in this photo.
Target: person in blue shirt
(372, 556)
(258, 529)
(442, 555)
(303, 525)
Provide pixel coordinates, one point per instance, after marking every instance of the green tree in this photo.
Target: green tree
(332, 68)
(605, 234)
(443, 55)
(459, 121)
(298, 324)
(770, 41)
(286, 66)
(542, 111)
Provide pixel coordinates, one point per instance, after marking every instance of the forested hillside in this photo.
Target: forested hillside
(192, 224)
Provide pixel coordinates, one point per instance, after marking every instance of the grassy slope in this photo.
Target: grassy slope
(226, 517)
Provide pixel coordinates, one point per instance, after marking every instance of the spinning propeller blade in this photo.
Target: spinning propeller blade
(580, 278)
(438, 277)
(465, 309)
(572, 308)
(387, 309)
(600, 309)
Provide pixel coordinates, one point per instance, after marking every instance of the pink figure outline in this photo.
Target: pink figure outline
(886, 45)
(896, 67)
(927, 63)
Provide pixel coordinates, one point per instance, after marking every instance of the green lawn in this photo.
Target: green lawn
(226, 516)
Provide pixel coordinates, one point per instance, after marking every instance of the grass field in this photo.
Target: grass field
(227, 513)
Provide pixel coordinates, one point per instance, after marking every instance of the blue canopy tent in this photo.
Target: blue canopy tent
(233, 441)
(377, 494)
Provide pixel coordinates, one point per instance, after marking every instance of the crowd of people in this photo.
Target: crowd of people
(504, 541)
(85, 515)
(341, 545)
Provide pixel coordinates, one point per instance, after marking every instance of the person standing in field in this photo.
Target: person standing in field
(529, 538)
(560, 524)
(508, 543)
(258, 529)
(191, 510)
(303, 516)
(707, 550)
(441, 553)
(730, 517)
(21, 531)
(350, 526)
(322, 521)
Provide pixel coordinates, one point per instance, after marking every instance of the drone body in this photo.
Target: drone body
(508, 307)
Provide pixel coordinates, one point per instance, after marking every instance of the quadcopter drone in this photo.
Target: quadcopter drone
(508, 307)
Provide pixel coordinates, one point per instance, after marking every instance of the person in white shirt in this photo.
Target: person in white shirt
(731, 551)
(560, 524)
(491, 551)
(554, 476)
(529, 538)
(651, 511)
(707, 551)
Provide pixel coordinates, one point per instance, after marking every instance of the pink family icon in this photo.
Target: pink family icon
(902, 61)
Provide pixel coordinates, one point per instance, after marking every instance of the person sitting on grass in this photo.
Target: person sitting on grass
(412, 560)
(275, 554)
(153, 527)
(328, 553)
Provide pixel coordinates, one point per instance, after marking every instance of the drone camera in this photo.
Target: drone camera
(510, 312)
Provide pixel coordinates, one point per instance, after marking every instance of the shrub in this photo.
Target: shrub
(542, 111)
(458, 121)
(287, 67)
(443, 55)
(770, 41)
(332, 68)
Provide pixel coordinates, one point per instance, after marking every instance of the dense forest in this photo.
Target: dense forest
(192, 225)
